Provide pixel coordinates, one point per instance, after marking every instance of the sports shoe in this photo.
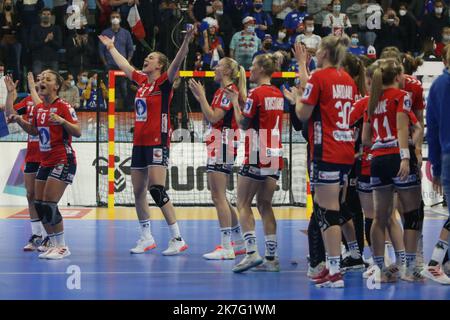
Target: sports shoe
(249, 261)
(392, 273)
(44, 254)
(143, 245)
(45, 245)
(58, 253)
(220, 253)
(239, 247)
(322, 274)
(331, 281)
(350, 263)
(314, 272)
(33, 243)
(436, 274)
(268, 266)
(415, 276)
(176, 246)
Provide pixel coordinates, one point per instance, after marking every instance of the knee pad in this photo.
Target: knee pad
(345, 214)
(38, 207)
(413, 220)
(447, 225)
(327, 218)
(159, 195)
(51, 212)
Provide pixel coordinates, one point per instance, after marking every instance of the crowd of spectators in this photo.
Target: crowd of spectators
(40, 34)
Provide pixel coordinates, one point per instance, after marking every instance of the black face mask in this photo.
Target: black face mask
(267, 46)
(302, 8)
(81, 31)
(8, 8)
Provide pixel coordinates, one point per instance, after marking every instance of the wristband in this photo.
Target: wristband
(404, 154)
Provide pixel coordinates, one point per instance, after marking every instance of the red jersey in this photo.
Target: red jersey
(26, 109)
(384, 121)
(357, 115)
(332, 92)
(152, 123)
(55, 143)
(228, 137)
(415, 92)
(264, 106)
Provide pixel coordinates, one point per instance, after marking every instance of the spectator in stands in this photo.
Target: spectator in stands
(390, 34)
(59, 10)
(103, 13)
(298, 31)
(295, 17)
(124, 44)
(311, 40)
(433, 22)
(82, 81)
(318, 9)
(225, 25)
(445, 40)
(336, 23)
(69, 91)
(263, 19)
(94, 94)
(428, 50)
(245, 43)
(355, 47)
(10, 44)
(280, 9)
(80, 48)
(121, 6)
(236, 10)
(197, 10)
(281, 42)
(211, 44)
(266, 46)
(417, 7)
(409, 24)
(45, 41)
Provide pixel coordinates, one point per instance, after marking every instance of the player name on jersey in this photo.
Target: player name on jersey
(342, 92)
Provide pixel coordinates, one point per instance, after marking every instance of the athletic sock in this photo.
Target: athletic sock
(59, 239)
(410, 262)
(271, 246)
(334, 263)
(236, 233)
(439, 251)
(43, 231)
(250, 242)
(52, 239)
(36, 227)
(354, 249)
(379, 261)
(146, 229)
(175, 231)
(400, 258)
(225, 238)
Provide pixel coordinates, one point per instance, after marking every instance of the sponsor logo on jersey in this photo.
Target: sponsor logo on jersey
(329, 175)
(407, 104)
(44, 139)
(248, 106)
(53, 110)
(272, 103)
(164, 124)
(308, 90)
(73, 114)
(225, 102)
(141, 110)
(157, 155)
(345, 136)
(33, 138)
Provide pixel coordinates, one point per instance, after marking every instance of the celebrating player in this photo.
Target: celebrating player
(222, 143)
(152, 133)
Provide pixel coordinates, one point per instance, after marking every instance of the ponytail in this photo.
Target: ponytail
(336, 47)
(376, 90)
(242, 83)
(361, 79)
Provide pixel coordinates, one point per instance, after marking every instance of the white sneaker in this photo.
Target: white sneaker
(33, 243)
(249, 261)
(46, 253)
(239, 247)
(220, 253)
(314, 272)
(58, 253)
(175, 247)
(143, 245)
(45, 245)
(414, 276)
(436, 274)
(268, 266)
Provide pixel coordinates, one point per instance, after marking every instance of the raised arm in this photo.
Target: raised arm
(181, 54)
(212, 115)
(120, 60)
(32, 87)
(11, 95)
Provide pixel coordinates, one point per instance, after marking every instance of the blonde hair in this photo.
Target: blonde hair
(336, 47)
(268, 62)
(237, 75)
(384, 73)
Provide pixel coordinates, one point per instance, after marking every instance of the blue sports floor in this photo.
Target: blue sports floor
(100, 248)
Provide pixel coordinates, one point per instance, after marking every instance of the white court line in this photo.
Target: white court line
(131, 272)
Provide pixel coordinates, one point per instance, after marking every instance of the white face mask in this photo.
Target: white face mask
(281, 35)
(115, 21)
(337, 8)
(446, 37)
(219, 12)
(439, 10)
(251, 29)
(402, 12)
(310, 29)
